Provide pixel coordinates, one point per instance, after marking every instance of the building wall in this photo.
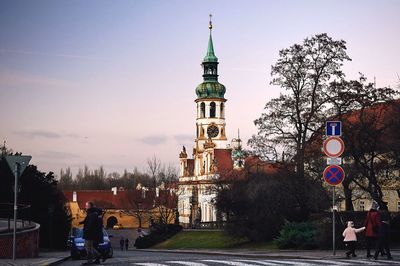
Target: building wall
(363, 202)
(124, 219)
(27, 244)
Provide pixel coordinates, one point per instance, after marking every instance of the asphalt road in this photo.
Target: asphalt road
(143, 258)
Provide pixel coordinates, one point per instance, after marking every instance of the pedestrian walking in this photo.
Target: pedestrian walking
(383, 236)
(93, 233)
(372, 224)
(121, 243)
(126, 244)
(350, 238)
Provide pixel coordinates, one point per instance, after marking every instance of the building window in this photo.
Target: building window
(362, 205)
(202, 110)
(212, 109)
(222, 110)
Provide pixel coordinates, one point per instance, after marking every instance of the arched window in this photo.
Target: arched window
(212, 109)
(202, 110)
(222, 110)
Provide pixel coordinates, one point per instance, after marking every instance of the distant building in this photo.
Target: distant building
(125, 208)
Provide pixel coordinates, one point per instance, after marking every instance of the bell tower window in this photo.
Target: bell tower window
(222, 110)
(212, 109)
(202, 110)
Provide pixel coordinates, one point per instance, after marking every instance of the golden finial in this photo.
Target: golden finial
(210, 24)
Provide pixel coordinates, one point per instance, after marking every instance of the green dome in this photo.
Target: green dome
(210, 89)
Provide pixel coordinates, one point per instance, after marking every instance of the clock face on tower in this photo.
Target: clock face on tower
(212, 131)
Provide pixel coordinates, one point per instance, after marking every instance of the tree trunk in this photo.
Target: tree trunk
(348, 197)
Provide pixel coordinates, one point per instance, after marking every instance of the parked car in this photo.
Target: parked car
(77, 244)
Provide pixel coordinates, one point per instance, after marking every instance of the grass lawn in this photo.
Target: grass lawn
(210, 240)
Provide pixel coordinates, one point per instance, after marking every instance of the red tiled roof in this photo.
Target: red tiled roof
(128, 199)
(254, 164)
(378, 115)
(224, 159)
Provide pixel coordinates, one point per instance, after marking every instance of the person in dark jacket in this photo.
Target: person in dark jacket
(126, 244)
(121, 243)
(93, 233)
(383, 236)
(372, 224)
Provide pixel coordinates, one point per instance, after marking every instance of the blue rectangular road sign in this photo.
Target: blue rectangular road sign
(333, 128)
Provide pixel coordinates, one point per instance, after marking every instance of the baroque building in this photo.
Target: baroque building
(212, 153)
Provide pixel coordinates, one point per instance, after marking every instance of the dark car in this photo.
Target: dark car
(77, 244)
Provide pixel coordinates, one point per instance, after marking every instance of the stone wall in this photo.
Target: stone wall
(27, 243)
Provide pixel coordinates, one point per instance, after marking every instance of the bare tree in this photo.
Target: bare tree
(154, 167)
(137, 205)
(304, 71)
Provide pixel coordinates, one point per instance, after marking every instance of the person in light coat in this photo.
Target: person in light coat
(350, 238)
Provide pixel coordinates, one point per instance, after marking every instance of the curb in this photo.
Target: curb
(56, 262)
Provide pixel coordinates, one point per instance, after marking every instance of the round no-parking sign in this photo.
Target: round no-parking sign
(334, 175)
(333, 147)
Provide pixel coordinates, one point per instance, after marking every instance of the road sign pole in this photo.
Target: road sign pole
(17, 164)
(333, 222)
(16, 175)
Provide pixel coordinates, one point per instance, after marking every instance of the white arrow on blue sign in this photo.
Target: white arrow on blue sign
(333, 128)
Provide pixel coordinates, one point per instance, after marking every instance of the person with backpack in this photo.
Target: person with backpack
(93, 233)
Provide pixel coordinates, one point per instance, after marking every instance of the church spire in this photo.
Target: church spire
(210, 88)
(210, 56)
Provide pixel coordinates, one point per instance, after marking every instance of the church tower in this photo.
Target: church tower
(210, 121)
(211, 155)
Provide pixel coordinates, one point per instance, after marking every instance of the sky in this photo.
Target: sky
(112, 83)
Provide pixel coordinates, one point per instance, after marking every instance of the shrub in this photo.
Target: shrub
(158, 235)
(297, 235)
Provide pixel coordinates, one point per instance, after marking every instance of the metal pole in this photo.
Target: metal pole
(333, 221)
(16, 174)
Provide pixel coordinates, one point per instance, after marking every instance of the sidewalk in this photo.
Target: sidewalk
(45, 258)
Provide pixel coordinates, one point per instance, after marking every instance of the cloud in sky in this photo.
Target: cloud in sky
(22, 52)
(37, 134)
(11, 78)
(184, 138)
(154, 140)
(57, 155)
(31, 134)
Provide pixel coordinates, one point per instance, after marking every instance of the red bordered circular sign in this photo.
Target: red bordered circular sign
(334, 175)
(333, 147)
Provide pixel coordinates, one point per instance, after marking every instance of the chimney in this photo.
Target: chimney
(114, 190)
